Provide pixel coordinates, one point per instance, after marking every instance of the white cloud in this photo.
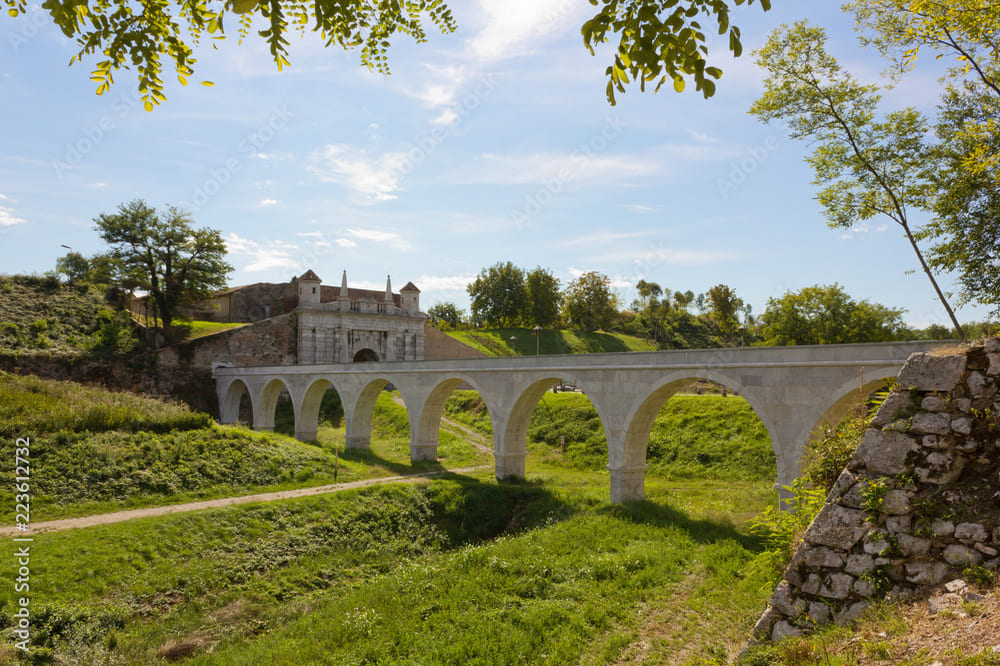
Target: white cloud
(346, 242)
(276, 156)
(263, 256)
(374, 177)
(701, 137)
(514, 26)
(660, 255)
(310, 234)
(557, 167)
(7, 217)
(439, 283)
(446, 117)
(267, 202)
(4, 197)
(639, 208)
(374, 235)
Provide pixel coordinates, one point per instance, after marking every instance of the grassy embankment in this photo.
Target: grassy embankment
(95, 451)
(496, 342)
(544, 571)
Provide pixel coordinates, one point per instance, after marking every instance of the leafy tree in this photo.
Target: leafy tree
(74, 266)
(966, 226)
(865, 168)
(590, 303)
(544, 297)
(445, 314)
(164, 255)
(499, 297)
(723, 306)
(658, 40)
(820, 315)
(965, 189)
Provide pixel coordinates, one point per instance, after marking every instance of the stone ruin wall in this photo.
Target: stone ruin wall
(918, 504)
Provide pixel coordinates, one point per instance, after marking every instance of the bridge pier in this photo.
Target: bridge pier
(510, 465)
(359, 442)
(628, 484)
(423, 449)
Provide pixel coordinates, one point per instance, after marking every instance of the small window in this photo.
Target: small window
(314, 290)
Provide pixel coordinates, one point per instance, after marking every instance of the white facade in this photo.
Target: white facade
(359, 326)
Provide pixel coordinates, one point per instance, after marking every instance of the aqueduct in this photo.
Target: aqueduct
(792, 389)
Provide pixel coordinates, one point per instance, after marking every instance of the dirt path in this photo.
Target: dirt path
(475, 438)
(120, 516)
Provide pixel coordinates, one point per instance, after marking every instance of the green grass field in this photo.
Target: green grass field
(496, 342)
(460, 569)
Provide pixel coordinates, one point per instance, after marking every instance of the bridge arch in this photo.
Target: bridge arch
(643, 414)
(359, 419)
(229, 409)
(267, 403)
(307, 422)
(510, 435)
(425, 419)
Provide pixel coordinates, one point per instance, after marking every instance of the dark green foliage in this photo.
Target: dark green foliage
(446, 315)
(498, 295)
(823, 315)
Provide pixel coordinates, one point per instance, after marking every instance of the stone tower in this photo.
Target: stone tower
(309, 289)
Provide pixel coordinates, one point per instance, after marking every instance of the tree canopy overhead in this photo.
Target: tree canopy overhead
(658, 40)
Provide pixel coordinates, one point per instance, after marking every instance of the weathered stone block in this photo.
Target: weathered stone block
(841, 485)
(898, 524)
(988, 551)
(964, 405)
(823, 557)
(876, 542)
(941, 467)
(784, 629)
(785, 602)
(958, 555)
(943, 528)
(837, 586)
(932, 373)
(762, 629)
(853, 612)
(836, 527)
(813, 584)
(896, 403)
(980, 386)
(962, 425)
(896, 503)
(819, 613)
(933, 403)
(994, 368)
(996, 535)
(930, 424)
(927, 573)
(883, 453)
(930, 441)
(859, 564)
(971, 532)
(991, 345)
(864, 588)
(913, 546)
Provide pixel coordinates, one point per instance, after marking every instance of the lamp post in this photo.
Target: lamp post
(538, 332)
(513, 342)
(742, 329)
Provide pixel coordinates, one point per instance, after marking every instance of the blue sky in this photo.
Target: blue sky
(493, 143)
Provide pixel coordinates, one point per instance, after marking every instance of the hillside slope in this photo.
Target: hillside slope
(497, 342)
(41, 315)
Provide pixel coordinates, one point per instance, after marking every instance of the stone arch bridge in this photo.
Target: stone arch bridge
(792, 389)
